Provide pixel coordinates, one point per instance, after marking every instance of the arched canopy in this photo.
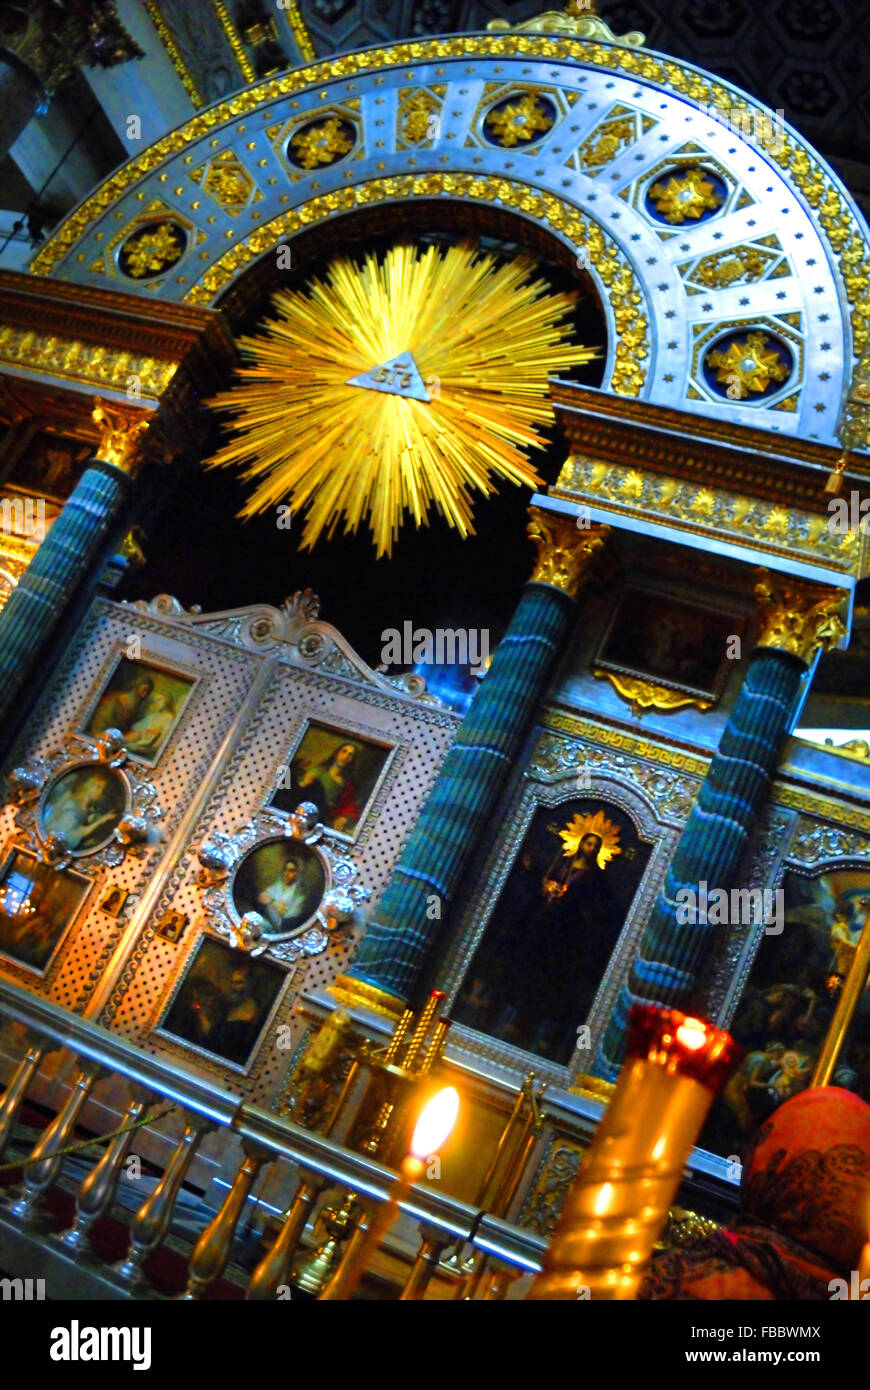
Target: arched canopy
(731, 261)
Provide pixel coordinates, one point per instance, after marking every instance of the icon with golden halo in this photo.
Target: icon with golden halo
(553, 929)
(596, 826)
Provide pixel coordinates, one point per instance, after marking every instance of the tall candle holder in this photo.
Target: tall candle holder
(432, 1128)
(626, 1183)
(380, 1128)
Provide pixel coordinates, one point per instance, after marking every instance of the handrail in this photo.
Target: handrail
(113, 1052)
(262, 1130)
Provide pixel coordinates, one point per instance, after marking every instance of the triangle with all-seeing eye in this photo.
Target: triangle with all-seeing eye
(398, 377)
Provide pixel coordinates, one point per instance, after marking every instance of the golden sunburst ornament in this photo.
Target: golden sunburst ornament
(597, 824)
(396, 386)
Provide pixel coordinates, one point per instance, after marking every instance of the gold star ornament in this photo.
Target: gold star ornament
(748, 365)
(685, 196)
(397, 386)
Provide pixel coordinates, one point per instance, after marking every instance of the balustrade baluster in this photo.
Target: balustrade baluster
(15, 1093)
(211, 1253)
(274, 1268)
(153, 1219)
(44, 1164)
(432, 1246)
(97, 1193)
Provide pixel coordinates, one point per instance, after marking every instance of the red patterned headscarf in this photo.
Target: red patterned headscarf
(805, 1210)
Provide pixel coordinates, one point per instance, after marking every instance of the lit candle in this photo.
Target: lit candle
(433, 1127)
(628, 1178)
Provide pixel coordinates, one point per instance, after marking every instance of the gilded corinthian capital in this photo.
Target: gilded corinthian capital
(566, 553)
(797, 617)
(120, 437)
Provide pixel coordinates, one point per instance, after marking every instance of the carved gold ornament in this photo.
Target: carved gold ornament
(120, 437)
(577, 21)
(644, 695)
(685, 196)
(748, 365)
(73, 360)
(799, 618)
(324, 142)
(566, 555)
(524, 119)
(152, 249)
(396, 386)
(419, 117)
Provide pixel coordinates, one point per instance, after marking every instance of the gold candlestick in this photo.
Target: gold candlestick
(626, 1183)
(433, 1127)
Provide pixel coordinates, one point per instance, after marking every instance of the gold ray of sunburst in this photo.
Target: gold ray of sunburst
(483, 336)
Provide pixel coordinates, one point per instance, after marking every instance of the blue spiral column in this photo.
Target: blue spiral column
(399, 939)
(797, 619)
(45, 589)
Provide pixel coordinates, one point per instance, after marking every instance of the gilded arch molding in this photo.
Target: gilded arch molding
(783, 253)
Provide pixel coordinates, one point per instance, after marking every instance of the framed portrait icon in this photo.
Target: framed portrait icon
(85, 804)
(145, 702)
(659, 638)
(339, 772)
(284, 881)
(223, 1002)
(37, 905)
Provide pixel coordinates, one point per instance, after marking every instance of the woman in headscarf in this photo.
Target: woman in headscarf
(804, 1199)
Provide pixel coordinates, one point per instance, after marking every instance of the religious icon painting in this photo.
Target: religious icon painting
(37, 905)
(113, 901)
(551, 934)
(679, 644)
(284, 881)
(338, 772)
(84, 805)
(223, 1002)
(145, 702)
(785, 1010)
(51, 464)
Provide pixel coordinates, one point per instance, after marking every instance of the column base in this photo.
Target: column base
(354, 993)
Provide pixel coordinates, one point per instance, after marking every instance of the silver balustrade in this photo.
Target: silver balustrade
(265, 1139)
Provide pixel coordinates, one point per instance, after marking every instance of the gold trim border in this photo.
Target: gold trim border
(246, 67)
(69, 359)
(784, 794)
(631, 354)
(164, 33)
(301, 32)
(608, 737)
(680, 505)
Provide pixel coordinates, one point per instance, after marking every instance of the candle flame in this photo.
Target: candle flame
(692, 1033)
(435, 1123)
